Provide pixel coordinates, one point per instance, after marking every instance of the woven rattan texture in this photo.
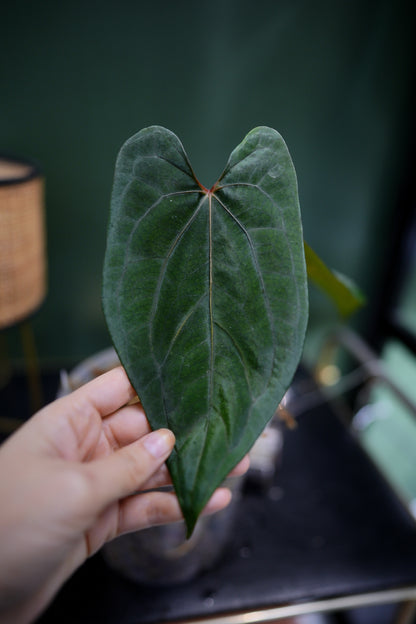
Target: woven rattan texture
(22, 250)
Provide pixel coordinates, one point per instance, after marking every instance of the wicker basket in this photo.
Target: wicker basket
(22, 240)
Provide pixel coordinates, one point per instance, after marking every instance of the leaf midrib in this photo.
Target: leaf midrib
(209, 195)
(205, 195)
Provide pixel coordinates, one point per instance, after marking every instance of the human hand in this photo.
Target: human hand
(70, 480)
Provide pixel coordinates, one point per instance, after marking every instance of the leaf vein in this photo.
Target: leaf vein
(261, 190)
(130, 238)
(181, 327)
(260, 276)
(175, 165)
(239, 354)
(162, 274)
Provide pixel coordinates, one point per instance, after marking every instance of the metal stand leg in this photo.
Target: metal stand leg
(32, 366)
(5, 368)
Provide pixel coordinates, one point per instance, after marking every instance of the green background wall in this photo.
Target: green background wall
(78, 78)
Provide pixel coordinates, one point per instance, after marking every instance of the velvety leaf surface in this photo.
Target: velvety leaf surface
(205, 297)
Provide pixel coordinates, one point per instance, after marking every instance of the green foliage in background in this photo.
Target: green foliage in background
(342, 291)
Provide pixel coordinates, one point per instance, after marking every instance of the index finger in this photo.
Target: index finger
(108, 392)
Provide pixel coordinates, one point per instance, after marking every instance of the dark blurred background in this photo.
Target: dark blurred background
(334, 77)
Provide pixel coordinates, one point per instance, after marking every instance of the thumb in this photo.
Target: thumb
(127, 469)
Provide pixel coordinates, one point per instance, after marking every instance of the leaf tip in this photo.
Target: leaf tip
(190, 523)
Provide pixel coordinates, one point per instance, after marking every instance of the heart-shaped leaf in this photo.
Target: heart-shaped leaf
(205, 297)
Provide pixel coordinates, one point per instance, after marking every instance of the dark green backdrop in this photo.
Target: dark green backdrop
(77, 78)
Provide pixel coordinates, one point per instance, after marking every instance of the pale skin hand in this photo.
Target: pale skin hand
(69, 482)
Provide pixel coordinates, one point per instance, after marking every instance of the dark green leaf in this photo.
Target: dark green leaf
(340, 289)
(205, 296)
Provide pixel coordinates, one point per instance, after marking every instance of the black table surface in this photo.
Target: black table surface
(331, 527)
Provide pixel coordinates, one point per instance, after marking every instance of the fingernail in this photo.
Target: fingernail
(159, 443)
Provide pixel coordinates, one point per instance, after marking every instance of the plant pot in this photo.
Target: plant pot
(162, 555)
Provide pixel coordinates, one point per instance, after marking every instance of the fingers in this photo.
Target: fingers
(126, 470)
(220, 499)
(156, 508)
(162, 477)
(93, 419)
(125, 426)
(108, 392)
(146, 510)
(241, 468)
(135, 463)
(159, 479)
